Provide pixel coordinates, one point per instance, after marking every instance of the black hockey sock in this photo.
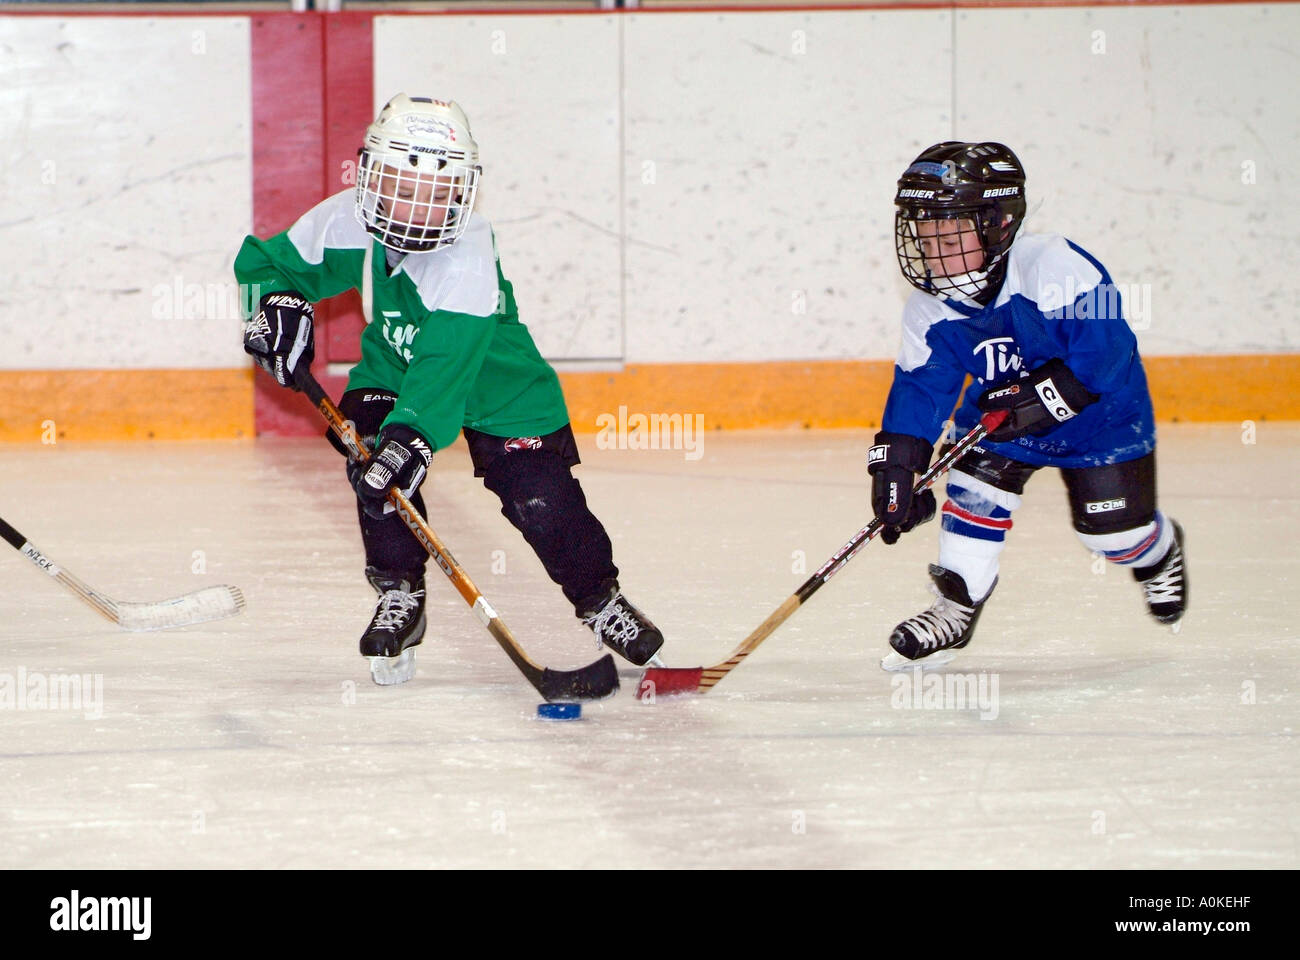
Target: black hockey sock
(545, 503)
(390, 545)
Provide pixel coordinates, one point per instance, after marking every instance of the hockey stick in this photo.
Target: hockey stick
(670, 680)
(593, 682)
(210, 603)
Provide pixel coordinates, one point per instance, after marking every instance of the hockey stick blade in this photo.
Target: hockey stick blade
(670, 681)
(210, 603)
(595, 681)
(200, 606)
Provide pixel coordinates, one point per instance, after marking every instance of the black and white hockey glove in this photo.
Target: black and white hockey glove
(1039, 402)
(893, 462)
(401, 459)
(279, 336)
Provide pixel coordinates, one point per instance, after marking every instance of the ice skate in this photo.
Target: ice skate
(395, 630)
(931, 637)
(625, 630)
(893, 661)
(1165, 583)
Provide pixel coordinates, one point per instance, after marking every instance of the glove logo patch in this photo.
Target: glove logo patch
(257, 326)
(394, 456)
(1053, 401)
(284, 300)
(878, 454)
(379, 477)
(422, 448)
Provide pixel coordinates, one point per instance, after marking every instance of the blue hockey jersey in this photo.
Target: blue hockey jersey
(1055, 301)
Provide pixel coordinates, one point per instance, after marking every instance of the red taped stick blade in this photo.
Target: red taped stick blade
(667, 681)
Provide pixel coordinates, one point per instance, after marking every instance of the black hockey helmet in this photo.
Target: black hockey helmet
(982, 183)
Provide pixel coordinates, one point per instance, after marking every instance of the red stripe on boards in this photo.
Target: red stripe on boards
(347, 79)
(312, 98)
(287, 130)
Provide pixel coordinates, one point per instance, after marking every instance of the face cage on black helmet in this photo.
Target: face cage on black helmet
(977, 284)
(379, 178)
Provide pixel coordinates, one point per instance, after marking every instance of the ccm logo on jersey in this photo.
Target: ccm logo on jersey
(1051, 398)
(878, 454)
(1105, 506)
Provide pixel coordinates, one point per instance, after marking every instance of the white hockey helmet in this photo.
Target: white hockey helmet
(418, 174)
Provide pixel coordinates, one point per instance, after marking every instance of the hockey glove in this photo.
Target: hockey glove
(893, 463)
(1045, 398)
(279, 336)
(401, 459)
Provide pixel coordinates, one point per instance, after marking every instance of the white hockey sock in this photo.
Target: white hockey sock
(1140, 547)
(976, 519)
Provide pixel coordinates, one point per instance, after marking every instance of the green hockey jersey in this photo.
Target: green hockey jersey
(443, 334)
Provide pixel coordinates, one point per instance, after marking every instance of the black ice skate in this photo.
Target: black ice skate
(625, 630)
(1165, 583)
(948, 625)
(396, 628)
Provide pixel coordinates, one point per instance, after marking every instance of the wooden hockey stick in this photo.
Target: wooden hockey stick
(593, 682)
(664, 681)
(210, 603)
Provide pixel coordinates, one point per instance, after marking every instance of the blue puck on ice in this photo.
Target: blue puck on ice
(559, 711)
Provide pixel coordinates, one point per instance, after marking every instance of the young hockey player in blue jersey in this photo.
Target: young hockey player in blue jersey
(1038, 325)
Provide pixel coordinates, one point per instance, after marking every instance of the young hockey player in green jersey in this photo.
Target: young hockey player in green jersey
(445, 352)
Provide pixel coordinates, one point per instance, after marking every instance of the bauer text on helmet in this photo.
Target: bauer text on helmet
(418, 174)
(958, 208)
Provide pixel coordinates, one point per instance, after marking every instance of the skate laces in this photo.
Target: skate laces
(941, 624)
(1167, 585)
(614, 625)
(395, 607)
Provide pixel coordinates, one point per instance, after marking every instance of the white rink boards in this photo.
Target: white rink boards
(260, 741)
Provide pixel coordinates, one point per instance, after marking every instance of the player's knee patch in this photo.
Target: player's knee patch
(536, 490)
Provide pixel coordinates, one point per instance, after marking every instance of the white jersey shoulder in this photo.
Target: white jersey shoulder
(461, 278)
(331, 224)
(922, 311)
(1045, 269)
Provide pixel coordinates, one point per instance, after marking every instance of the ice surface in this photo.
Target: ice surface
(260, 741)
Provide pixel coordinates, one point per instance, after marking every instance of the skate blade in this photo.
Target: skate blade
(387, 671)
(895, 662)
